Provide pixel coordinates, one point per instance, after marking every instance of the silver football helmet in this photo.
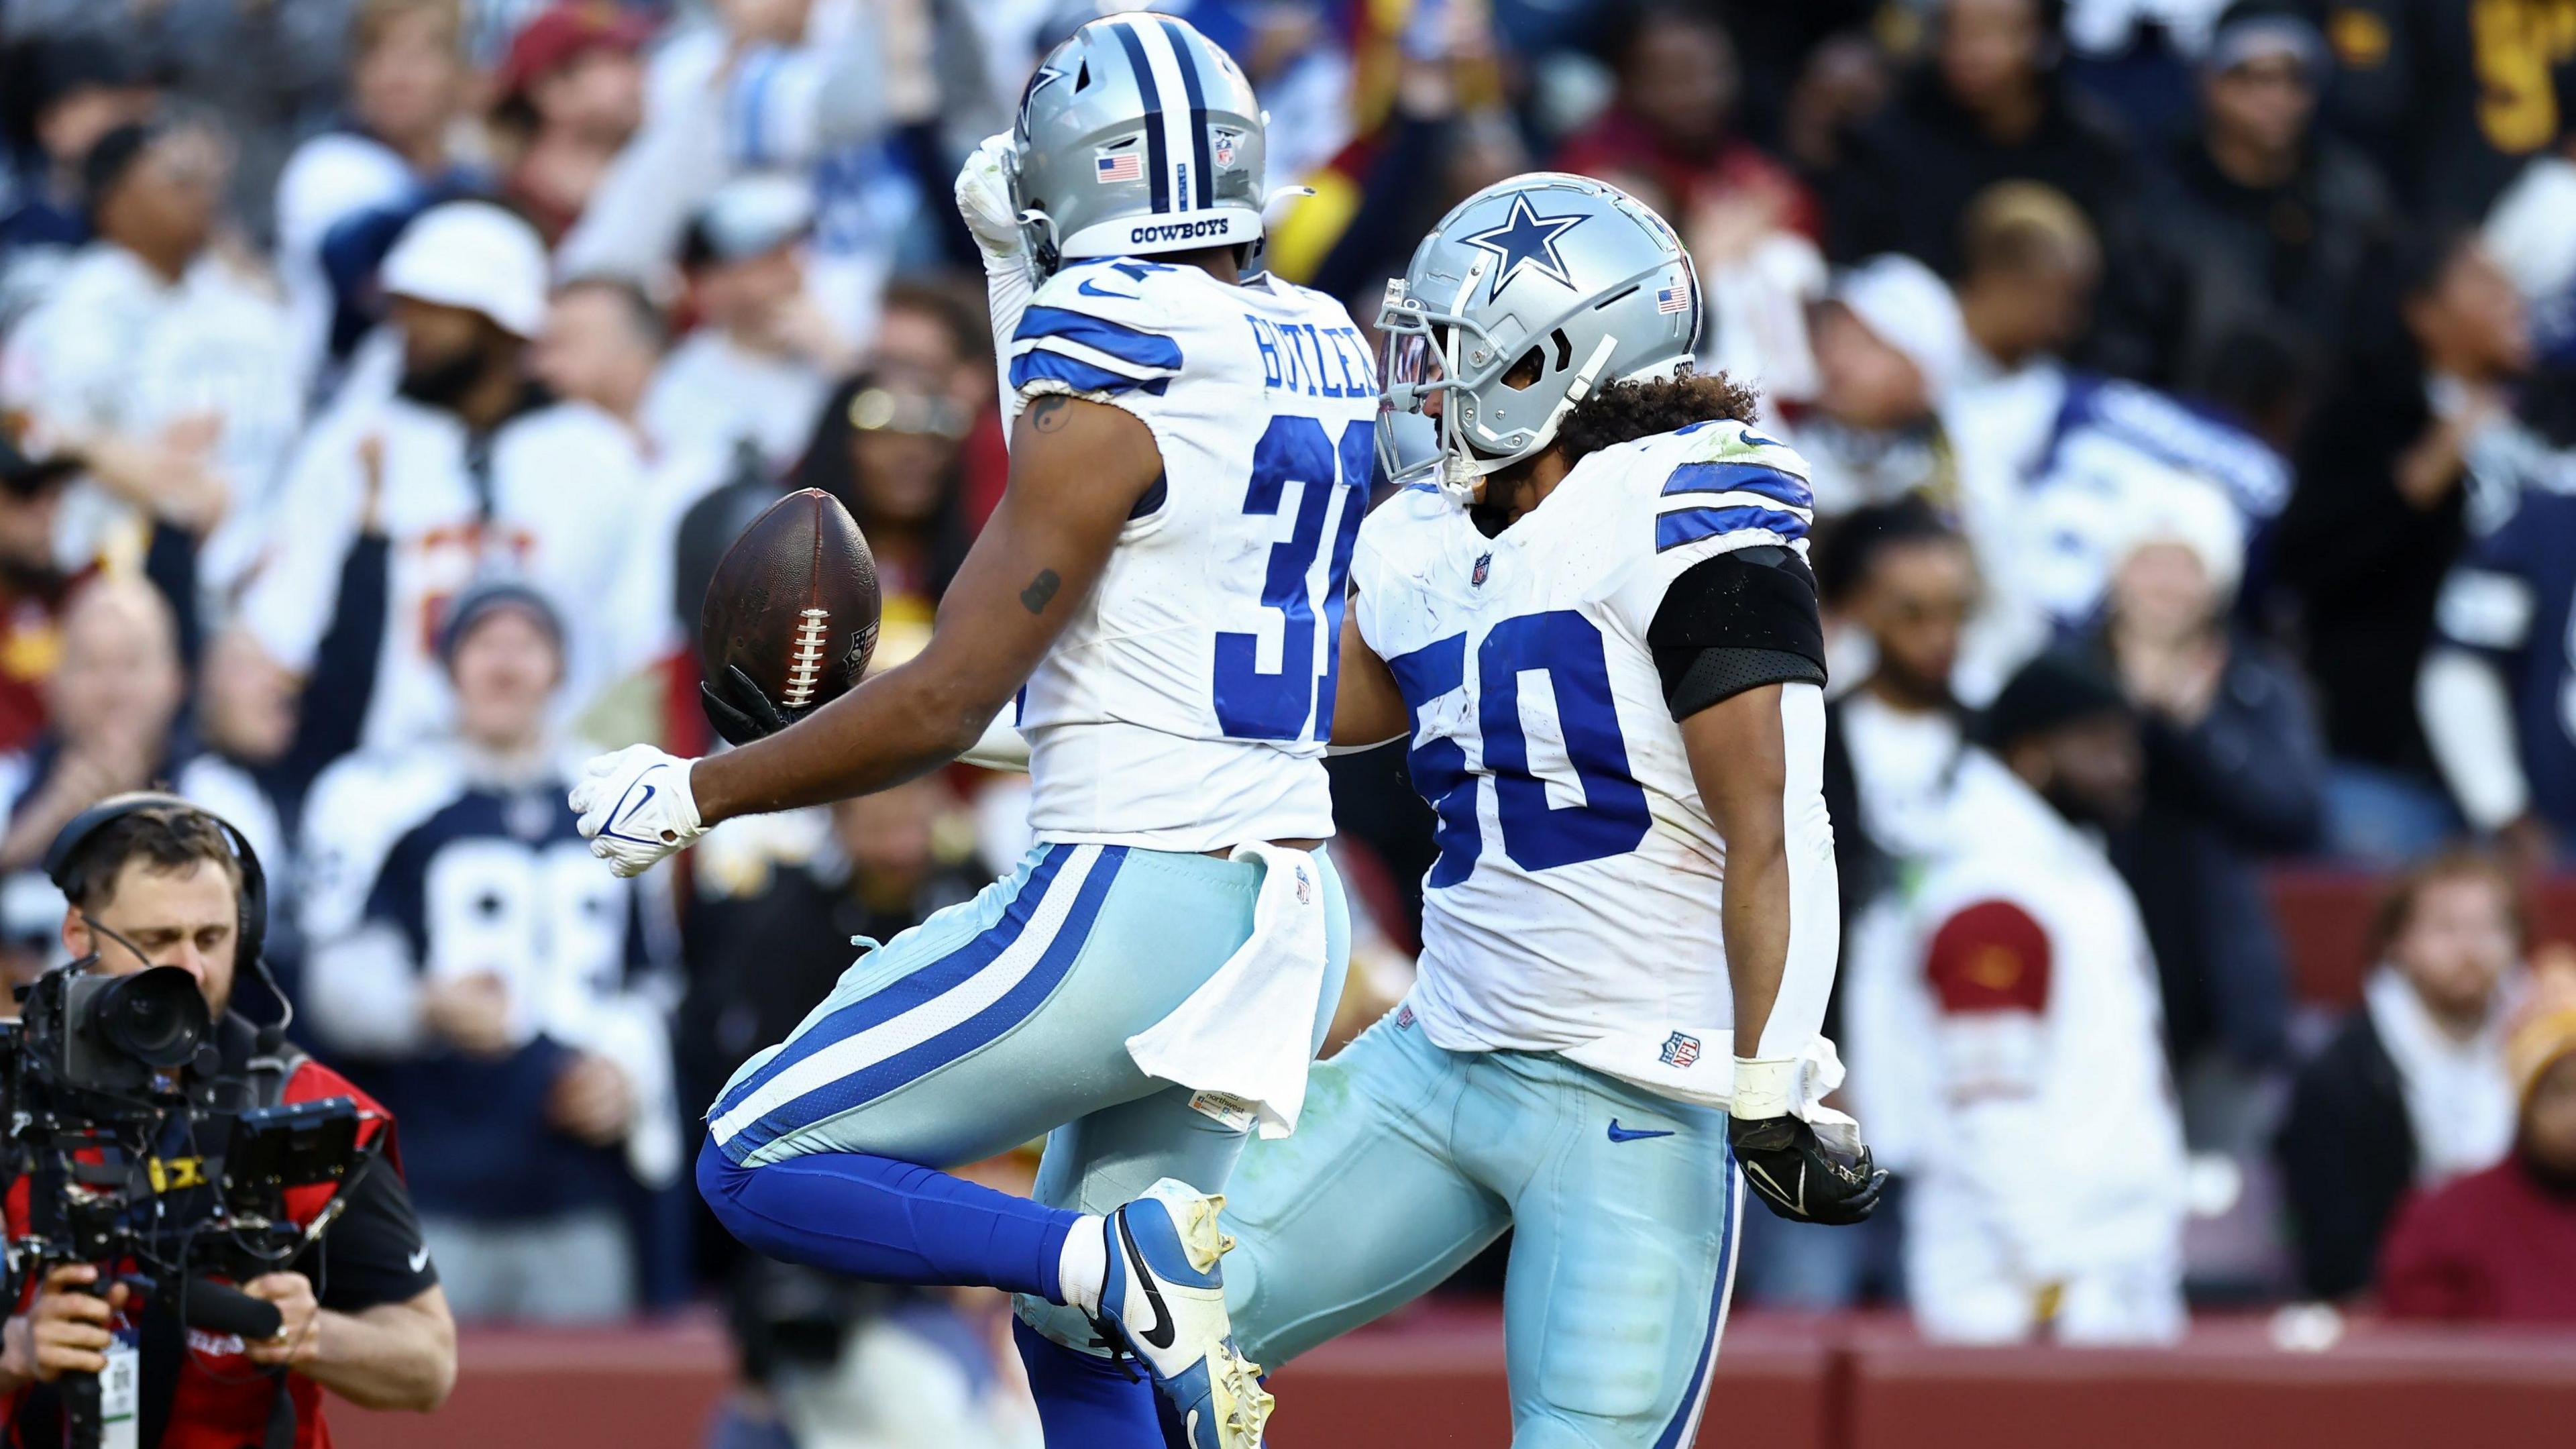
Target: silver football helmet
(1565, 272)
(1138, 135)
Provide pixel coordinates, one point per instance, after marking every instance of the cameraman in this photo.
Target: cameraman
(362, 1312)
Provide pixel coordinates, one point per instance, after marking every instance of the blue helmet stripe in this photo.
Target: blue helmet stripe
(1158, 162)
(1204, 180)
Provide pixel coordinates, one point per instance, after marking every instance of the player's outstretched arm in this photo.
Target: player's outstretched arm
(1077, 469)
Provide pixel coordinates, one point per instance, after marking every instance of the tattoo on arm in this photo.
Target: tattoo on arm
(1040, 592)
(1046, 414)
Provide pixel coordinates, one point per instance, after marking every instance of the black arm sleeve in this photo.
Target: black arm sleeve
(374, 1254)
(1736, 622)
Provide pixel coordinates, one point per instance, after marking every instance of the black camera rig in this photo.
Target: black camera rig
(145, 1157)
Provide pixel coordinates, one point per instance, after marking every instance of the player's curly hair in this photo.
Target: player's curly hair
(1626, 411)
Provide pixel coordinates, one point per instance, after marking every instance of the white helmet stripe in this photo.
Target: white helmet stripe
(1162, 66)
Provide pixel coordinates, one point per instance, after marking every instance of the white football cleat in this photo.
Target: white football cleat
(1164, 1300)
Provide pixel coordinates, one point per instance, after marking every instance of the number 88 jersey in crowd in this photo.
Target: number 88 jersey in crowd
(1576, 896)
(1186, 705)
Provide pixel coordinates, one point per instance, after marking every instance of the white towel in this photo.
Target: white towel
(1248, 1032)
(1679, 1065)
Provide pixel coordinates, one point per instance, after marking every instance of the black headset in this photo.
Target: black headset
(251, 932)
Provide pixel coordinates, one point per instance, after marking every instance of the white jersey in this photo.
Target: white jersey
(550, 503)
(1187, 704)
(1576, 897)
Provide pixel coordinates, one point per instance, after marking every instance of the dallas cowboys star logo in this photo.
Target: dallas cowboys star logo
(1525, 239)
(1045, 75)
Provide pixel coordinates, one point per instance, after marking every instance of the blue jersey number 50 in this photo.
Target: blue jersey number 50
(1566, 649)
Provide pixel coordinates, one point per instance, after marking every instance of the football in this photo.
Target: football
(793, 603)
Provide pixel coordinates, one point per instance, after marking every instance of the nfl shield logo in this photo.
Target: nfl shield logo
(1404, 1017)
(1305, 888)
(1484, 565)
(1222, 148)
(1680, 1049)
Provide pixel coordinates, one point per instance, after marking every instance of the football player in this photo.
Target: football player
(1161, 590)
(1591, 613)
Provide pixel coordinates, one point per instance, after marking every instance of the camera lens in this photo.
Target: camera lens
(155, 1016)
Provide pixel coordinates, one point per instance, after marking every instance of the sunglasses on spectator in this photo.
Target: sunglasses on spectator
(880, 411)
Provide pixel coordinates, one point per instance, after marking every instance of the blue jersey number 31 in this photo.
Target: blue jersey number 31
(1255, 705)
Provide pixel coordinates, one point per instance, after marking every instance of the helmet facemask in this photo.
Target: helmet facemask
(1444, 353)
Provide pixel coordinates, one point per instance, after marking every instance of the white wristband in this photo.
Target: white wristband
(1764, 1087)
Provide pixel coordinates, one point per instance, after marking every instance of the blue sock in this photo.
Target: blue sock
(888, 1221)
(1084, 1402)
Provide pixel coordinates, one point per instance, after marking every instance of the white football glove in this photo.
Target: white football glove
(984, 202)
(636, 807)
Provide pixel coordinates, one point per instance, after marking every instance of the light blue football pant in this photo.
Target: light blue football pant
(1408, 1160)
(1006, 1017)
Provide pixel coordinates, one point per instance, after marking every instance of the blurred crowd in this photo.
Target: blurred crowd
(2190, 389)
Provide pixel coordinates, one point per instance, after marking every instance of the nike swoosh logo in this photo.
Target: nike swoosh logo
(625, 813)
(1631, 1134)
(1088, 290)
(1797, 1201)
(1164, 1330)
(420, 1258)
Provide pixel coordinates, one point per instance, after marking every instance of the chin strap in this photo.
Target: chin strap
(1462, 476)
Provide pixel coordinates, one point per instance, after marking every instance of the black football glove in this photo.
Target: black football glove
(1801, 1178)
(740, 710)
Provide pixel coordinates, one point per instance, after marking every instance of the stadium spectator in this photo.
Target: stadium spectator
(2376, 521)
(2005, 1047)
(361, 1314)
(2411, 1092)
(62, 96)
(2450, 102)
(931, 337)
(114, 725)
(32, 586)
(569, 96)
(890, 453)
(2234, 773)
(1991, 106)
(495, 986)
(762, 356)
(2532, 233)
(2497, 676)
(783, 87)
(164, 369)
(2052, 458)
(2259, 221)
(1669, 135)
(2499, 1246)
(266, 74)
(1901, 577)
(1886, 344)
(2030, 264)
(346, 193)
(466, 474)
(1898, 581)
(1845, 80)
(1447, 134)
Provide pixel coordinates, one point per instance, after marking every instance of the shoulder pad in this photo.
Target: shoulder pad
(1100, 327)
